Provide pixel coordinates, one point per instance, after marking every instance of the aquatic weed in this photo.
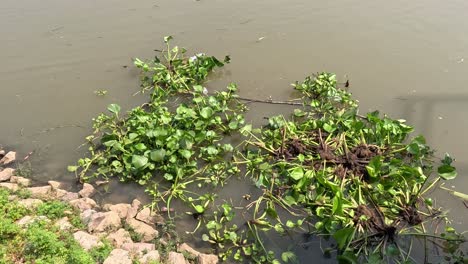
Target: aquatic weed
(356, 178)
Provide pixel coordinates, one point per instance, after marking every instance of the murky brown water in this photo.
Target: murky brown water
(406, 58)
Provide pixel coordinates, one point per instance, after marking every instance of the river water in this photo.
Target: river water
(406, 58)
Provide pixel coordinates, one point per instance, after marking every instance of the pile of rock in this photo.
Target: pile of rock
(103, 222)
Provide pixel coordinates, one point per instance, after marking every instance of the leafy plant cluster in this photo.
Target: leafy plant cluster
(163, 143)
(357, 179)
(41, 241)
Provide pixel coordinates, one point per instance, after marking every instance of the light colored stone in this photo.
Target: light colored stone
(147, 232)
(136, 203)
(30, 203)
(39, 192)
(87, 191)
(101, 235)
(132, 212)
(86, 241)
(176, 258)
(207, 259)
(27, 220)
(85, 216)
(138, 249)
(119, 237)
(6, 174)
(188, 249)
(59, 193)
(64, 224)
(121, 209)
(54, 184)
(21, 181)
(101, 222)
(149, 217)
(151, 256)
(83, 204)
(2, 152)
(118, 256)
(8, 158)
(10, 186)
(66, 196)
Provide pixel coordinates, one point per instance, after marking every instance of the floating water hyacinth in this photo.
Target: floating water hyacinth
(360, 180)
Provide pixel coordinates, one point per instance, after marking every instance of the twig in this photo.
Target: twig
(269, 101)
(434, 236)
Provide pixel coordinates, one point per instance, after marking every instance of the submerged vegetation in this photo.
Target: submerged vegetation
(324, 170)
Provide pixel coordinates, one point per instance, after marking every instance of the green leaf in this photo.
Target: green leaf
(299, 112)
(167, 38)
(158, 155)
(72, 168)
(337, 204)
(374, 167)
(168, 176)
(247, 250)
(198, 88)
(212, 150)
(414, 148)
(140, 147)
(232, 236)
(342, 236)
(347, 259)
(132, 136)
(297, 173)
(198, 208)
(447, 172)
(114, 108)
(246, 129)
(447, 159)
(110, 143)
(279, 228)
(206, 112)
(271, 212)
(329, 128)
(139, 161)
(288, 256)
(228, 148)
(212, 225)
(233, 125)
(185, 153)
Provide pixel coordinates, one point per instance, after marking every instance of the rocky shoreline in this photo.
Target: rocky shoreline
(131, 229)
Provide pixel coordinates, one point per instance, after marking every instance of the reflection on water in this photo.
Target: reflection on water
(407, 59)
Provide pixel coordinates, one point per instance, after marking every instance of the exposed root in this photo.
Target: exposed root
(371, 218)
(411, 215)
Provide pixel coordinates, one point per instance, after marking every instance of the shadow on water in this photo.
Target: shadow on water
(426, 106)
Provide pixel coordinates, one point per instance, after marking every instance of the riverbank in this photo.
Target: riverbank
(50, 224)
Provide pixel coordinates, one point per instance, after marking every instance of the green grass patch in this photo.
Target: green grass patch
(41, 241)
